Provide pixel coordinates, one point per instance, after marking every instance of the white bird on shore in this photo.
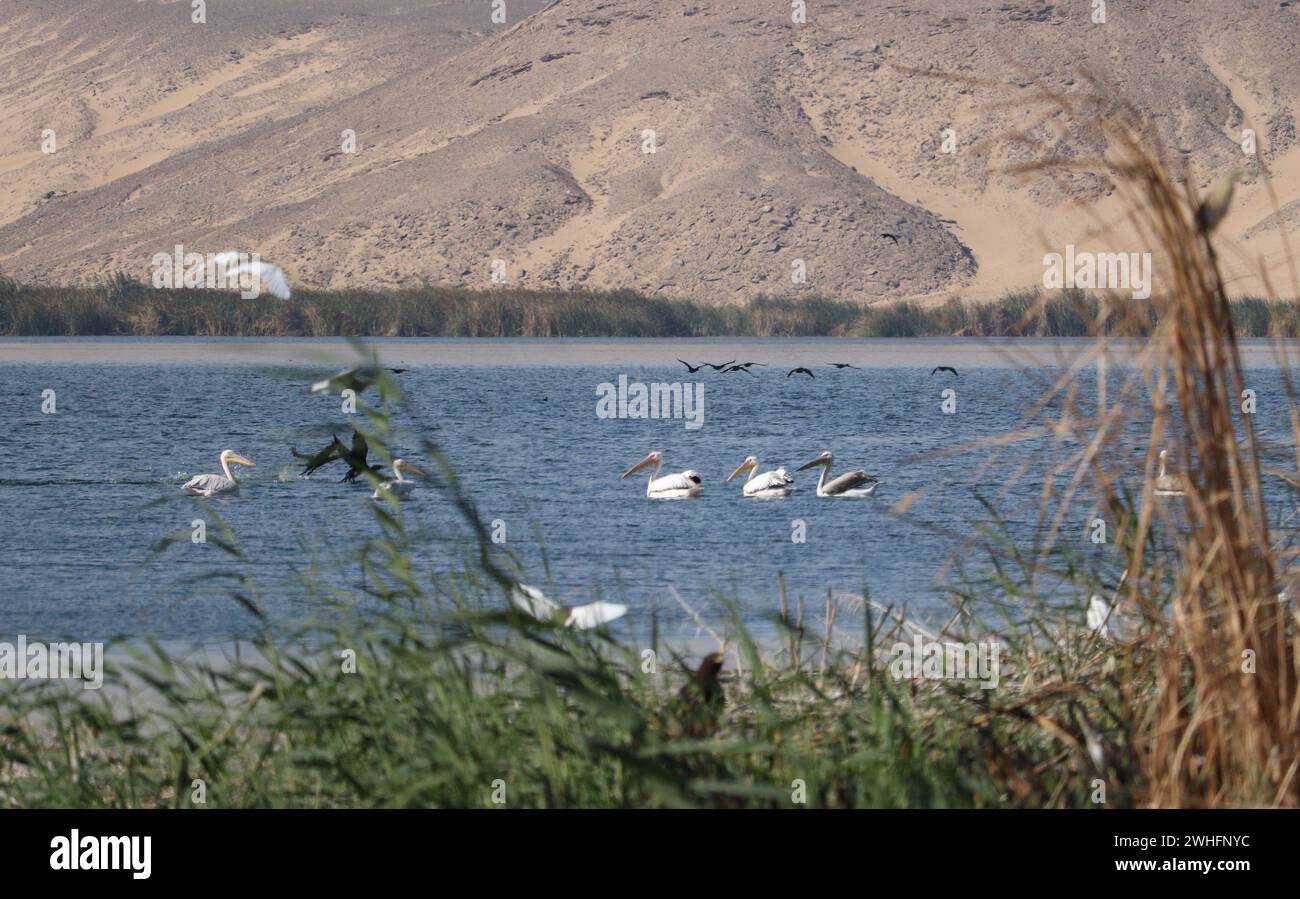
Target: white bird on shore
(398, 486)
(213, 484)
(851, 483)
(540, 606)
(1099, 617)
(670, 486)
(768, 484)
(1168, 484)
(270, 277)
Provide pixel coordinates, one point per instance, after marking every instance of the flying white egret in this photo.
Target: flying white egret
(670, 486)
(268, 276)
(398, 486)
(212, 484)
(1168, 484)
(543, 608)
(851, 483)
(768, 484)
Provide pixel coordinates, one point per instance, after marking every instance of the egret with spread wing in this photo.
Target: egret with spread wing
(540, 606)
(265, 275)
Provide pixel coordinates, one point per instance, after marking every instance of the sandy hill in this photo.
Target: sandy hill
(777, 146)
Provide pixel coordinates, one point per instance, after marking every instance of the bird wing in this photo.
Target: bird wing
(594, 614)
(270, 276)
(206, 484)
(683, 481)
(849, 480)
(328, 454)
(277, 283)
(535, 603)
(769, 480)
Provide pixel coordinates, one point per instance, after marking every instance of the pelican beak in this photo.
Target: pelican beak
(647, 461)
(813, 464)
(240, 460)
(418, 472)
(744, 467)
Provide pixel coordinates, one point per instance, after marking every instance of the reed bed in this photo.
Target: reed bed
(1186, 694)
(123, 307)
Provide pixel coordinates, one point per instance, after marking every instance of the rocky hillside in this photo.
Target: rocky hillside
(711, 150)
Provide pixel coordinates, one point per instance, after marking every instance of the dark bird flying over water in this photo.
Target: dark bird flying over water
(737, 368)
(842, 365)
(718, 367)
(801, 371)
(355, 455)
(692, 368)
(939, 368)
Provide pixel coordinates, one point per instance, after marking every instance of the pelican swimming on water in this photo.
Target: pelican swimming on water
(213, 484)
(851, 483)
(398, 486)
(670, 486)
(1168, 484)
(769, 483)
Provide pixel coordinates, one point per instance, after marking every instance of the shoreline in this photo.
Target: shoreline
(865, 352)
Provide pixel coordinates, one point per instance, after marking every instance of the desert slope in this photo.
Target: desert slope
(777, 147)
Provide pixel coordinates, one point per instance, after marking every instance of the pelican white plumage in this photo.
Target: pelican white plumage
(398, 486)
(851, 483)
(540, 606)
(670, 486)
(269, 277)
(213, 484)
(1168, 484)
(768, 484)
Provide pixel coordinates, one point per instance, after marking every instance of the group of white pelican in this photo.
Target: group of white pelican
(769, 484)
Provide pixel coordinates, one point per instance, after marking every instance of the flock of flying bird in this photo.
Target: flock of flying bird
(734, 366)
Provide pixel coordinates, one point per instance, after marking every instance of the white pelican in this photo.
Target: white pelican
(670, 486)
(398, 486)
(271, 277)
(1168, 484)
(851, 483)
(543, 608)
(212, 484)
(769, 483)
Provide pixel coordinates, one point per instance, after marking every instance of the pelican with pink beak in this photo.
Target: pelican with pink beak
(670, 486)
(768, 484)
(851, 483)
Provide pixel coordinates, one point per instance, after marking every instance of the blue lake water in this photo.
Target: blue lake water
(79, 489)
